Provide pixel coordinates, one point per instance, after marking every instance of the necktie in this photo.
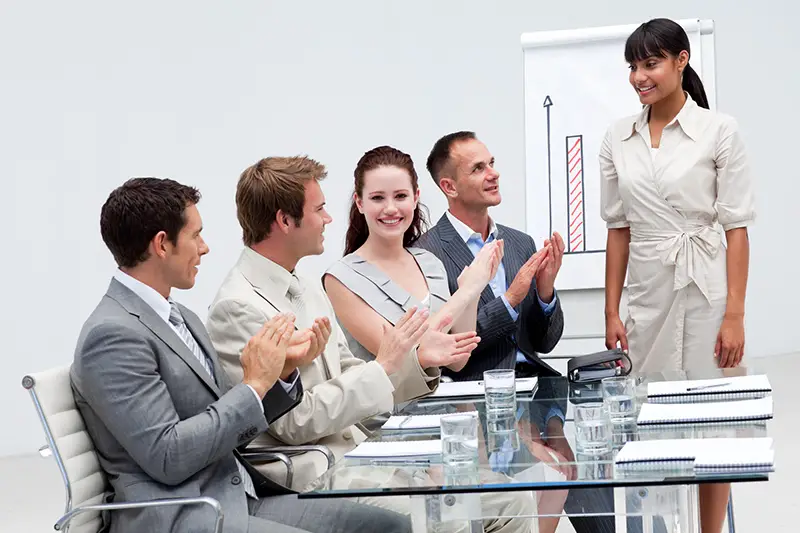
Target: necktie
(176, 319)
(295, 295)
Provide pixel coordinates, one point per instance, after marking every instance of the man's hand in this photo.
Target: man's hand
(306, 345)
(437, 348)
(265, 353)
(546, 275)
(397, 341)
(522, 281)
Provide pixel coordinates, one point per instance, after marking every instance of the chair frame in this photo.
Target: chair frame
(254, 455)
(29, 383)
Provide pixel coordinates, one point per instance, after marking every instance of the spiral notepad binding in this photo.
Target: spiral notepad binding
(656, 464)
(709, 396)
(726, 421)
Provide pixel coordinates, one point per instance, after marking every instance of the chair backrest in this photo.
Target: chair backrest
(70, 444)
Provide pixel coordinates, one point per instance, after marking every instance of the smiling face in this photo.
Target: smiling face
(387, 201)
(182, 258)
(476, 184)
(655, 78)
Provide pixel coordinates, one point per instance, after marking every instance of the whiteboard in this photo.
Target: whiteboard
(575, 87)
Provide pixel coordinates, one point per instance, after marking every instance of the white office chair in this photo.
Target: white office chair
(84, 480)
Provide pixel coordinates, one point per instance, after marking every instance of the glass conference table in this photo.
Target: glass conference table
(533, 473)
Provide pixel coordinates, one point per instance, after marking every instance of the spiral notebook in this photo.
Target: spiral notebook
(709, 412)
(399, 422)
(704, 456)
(400, 451)
(703, 390)
(454, 389)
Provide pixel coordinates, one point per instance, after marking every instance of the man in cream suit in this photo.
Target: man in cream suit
(280, 207)
(165, 419)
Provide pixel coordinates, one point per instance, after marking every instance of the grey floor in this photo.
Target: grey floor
(32, 494)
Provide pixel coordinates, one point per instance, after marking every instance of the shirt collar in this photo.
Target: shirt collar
(265, 273)
(686, 119)
(465, 232)
(148, 294)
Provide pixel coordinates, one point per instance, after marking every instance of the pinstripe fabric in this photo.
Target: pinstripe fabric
(501, 336)
(532, 333)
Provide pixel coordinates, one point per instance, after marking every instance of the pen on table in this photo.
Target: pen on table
(401, 462)
(404, 421)
(703, 387)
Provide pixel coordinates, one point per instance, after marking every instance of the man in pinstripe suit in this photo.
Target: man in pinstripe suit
(519, 313)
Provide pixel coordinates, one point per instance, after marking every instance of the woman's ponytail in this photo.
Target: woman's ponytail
(692, 85)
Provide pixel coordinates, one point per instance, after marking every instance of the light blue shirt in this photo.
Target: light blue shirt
(475, 242)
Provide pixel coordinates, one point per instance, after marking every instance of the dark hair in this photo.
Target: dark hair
(140, 208)
(663, 37)
(440, 153)
(273, 184)
(357, 231)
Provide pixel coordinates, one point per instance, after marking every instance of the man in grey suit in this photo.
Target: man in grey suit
(519, 313)
(164, 418)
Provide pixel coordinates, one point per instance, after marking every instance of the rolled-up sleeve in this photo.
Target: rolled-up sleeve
(612, 211)
(735, 196)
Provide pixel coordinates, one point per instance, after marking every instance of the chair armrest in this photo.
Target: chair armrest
(258, 456)
(291, 450)
(64, 520)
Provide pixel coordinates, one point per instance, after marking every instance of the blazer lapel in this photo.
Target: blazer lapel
(147, 316)
(459, 253)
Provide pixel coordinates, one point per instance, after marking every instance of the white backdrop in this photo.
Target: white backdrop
(93, 92)
(576, 86)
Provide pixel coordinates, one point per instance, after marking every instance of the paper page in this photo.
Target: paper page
(653, 413)
(709, 386)
(416, 421)
(704, 453)
(449, 389)
(396, 449)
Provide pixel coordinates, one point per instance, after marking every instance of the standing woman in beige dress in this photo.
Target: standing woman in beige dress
(674, 178)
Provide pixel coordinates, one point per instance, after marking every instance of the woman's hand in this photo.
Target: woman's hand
(483, 268)
(730, 342)
(615, 333)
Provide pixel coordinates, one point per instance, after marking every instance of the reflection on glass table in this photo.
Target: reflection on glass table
(534, 451)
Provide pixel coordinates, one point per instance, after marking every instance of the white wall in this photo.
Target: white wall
(93, 93)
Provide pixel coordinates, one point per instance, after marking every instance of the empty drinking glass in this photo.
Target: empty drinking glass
(500, 390)
(619, 396)
(592, 428)
(459, 439)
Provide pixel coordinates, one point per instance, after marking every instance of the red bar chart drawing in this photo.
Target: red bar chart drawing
(576, 215)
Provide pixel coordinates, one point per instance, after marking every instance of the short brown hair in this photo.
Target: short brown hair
(271, 185)
(440, 154)
(140, 208)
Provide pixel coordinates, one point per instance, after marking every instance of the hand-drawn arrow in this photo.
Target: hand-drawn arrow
(547, 104)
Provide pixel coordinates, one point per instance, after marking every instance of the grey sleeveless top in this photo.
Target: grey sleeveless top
(386, 297)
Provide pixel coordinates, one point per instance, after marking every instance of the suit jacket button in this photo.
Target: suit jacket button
(347, 434)
(236, 480)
